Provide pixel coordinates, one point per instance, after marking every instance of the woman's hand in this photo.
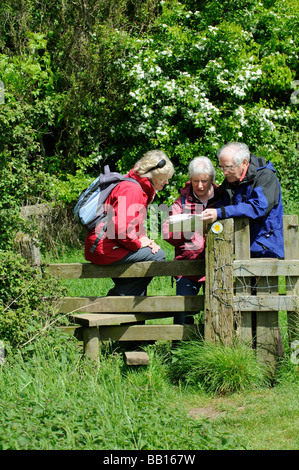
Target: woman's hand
(145, 241)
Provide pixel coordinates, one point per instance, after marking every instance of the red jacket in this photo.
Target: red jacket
(194, 247)
(127, 204)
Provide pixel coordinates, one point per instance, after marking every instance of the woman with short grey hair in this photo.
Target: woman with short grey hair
(200, 165)
(199, 193)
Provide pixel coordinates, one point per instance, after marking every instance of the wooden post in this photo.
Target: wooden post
(268, 335)
(28, 248)
(219, 311)
(91, 342)
(291, 251)
(243, 286)
(268, 338)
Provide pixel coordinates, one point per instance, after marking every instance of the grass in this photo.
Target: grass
(264, 420)
(56, 400)
(261, 419)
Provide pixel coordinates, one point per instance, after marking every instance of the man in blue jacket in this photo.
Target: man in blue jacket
(251, 189)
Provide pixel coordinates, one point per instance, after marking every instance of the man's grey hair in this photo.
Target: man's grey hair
(237, 150)
(202, 165)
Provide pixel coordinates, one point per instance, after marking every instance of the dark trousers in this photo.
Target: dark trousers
(135, 286)
(185, 286)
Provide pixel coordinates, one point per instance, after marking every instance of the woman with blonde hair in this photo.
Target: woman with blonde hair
(125, 239)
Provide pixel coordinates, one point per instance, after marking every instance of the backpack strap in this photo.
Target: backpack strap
(261, 162)
(99, 236)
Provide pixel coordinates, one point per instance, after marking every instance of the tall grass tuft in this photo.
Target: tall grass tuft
(216, 368)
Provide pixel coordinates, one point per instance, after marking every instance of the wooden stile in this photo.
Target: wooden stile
(157, 303)
(147, 332)
(142, 269)
(241, 294)
(232, 304)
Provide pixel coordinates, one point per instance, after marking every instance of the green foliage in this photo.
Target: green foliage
(104, 84)
(26, 300)
(26, 119)
(105, 81)
(71, 187)
(217, 368)
(19, 185)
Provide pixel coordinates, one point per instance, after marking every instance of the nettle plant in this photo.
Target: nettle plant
(28, 301)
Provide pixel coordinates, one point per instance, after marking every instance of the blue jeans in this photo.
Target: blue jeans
(185, 286)
(135, 286)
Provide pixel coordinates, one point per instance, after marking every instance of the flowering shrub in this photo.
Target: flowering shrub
(191, 88)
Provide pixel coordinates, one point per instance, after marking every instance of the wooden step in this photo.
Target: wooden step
(105, 319)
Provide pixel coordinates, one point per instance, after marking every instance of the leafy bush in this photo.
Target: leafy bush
(216, 368)
(104, 82)
(29, 111)
(20, 186)
(26, 299)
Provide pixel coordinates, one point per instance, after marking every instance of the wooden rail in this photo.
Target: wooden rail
(241, 295)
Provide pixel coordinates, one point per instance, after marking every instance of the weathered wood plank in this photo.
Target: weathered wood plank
(142, 269)
(106, 319)
(242, 238)
(266, 267)
(291, 250)
(244, 303)
(265, 303)
(147, 332)
(35, 209)
(242, 268)
(132, 304)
